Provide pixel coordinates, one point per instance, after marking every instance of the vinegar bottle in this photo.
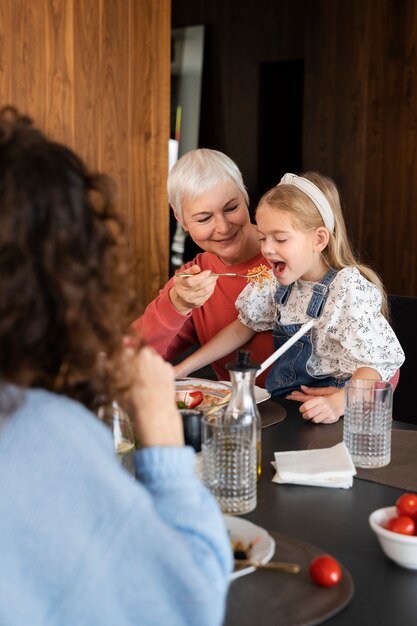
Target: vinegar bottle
(242, 405)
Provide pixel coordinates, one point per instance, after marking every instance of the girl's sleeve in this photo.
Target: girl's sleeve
(366, 337)
(256, 306)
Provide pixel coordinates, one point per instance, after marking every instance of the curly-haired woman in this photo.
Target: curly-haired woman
(82, 542)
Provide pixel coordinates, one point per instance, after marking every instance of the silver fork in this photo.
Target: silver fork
(185, 275)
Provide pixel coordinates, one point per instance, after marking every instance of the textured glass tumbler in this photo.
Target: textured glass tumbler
(229, 463)
(367, 423)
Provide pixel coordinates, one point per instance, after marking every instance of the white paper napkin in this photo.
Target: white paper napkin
(325, 467)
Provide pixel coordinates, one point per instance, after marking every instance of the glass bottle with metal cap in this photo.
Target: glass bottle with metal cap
(242, 405)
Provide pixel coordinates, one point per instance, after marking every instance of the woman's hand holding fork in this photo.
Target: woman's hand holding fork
(191, 292)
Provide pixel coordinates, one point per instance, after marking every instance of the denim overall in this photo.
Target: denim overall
(290, 370)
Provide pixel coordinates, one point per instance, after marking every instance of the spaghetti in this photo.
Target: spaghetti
(258, 275)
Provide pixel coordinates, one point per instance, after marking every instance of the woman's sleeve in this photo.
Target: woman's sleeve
(163, 328)
(366, 337)
(189, 537)
(256, 305)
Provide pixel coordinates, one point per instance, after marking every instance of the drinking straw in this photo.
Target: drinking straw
(275, 355)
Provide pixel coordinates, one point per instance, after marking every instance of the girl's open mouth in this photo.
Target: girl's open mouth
(279, 267)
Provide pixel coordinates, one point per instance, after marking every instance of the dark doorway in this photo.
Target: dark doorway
(281, 92)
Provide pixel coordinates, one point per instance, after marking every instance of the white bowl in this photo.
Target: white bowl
(400, 548)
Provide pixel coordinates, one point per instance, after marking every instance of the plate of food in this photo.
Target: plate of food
(200, 393)
(203, 393)
(249, 542)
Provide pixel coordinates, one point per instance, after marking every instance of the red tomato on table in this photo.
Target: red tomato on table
(407, 505)
(402, 524)
(326, 571)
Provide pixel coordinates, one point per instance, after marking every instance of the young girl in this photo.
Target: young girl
(314, 275)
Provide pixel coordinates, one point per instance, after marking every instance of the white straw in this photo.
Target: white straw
(275, 355)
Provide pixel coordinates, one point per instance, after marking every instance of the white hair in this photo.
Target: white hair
(199, 171)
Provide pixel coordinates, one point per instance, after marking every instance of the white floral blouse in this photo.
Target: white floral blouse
(351, 332)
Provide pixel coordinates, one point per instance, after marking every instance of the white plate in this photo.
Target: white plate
(261, 394)
(242, 530)
(217, 388)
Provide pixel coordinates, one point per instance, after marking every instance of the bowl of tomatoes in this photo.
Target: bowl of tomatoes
(396, 530)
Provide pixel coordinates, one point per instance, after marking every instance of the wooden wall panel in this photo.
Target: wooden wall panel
(87, 64)
(5, 49)
(335, 117)
(240, 35)
(400, 168)
(25, 69)
(149, 111)
(376, 82)
(59, 69)
(366, 138)
(113, 123)
(95, 75)
(360, 106)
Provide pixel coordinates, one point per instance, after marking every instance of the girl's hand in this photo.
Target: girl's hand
(320, 404)
(192, 292)
(180, 370)
(156, 418)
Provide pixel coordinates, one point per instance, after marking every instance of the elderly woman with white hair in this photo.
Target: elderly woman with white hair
(209, 199)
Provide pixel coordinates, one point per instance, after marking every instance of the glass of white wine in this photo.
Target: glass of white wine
(116, 418)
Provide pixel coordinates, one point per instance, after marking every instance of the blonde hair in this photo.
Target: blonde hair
(198, 172)
(338, 252)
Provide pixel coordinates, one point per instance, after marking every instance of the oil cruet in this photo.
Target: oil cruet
(231, 444)
(242, 405)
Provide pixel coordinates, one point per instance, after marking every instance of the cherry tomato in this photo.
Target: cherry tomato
(402, 524)
(326, 571)
(197, 398)
(407, 505)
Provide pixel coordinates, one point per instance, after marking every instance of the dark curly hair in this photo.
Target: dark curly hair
(66, 295)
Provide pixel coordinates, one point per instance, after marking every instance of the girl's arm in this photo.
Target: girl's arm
(228, 339)
(326, 404)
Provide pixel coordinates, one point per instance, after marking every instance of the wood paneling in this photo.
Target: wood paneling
(360, 106)
(360, 125)
(95, 75)
(148, 148)
(240, 35)
(87, 60)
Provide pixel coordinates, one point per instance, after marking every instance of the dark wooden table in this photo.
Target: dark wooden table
(336, 521)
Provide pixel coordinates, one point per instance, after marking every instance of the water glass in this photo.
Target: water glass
(367, 424)
(116, 418)
(229, 464)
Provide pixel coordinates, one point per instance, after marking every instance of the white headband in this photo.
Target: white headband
(315, 194)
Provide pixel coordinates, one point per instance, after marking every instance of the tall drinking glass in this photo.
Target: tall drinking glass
(367, 423)
(229, 460)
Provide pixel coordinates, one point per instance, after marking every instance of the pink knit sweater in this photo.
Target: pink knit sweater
(171, 333)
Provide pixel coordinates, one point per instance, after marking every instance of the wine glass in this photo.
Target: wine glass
(116, 418)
